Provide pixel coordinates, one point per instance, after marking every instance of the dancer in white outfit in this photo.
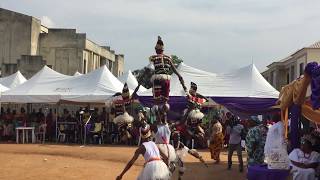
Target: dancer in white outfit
(162, 139)
(154, 167)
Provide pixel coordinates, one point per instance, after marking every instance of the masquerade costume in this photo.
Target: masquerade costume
(121, 107)
(192, 114)
(162, 74)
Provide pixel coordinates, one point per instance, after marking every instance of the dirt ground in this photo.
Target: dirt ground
(48, 162)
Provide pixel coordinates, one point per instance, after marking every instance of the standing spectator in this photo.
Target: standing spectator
(50, 125)
(216, 142)
(103, 116)
(8, 125)
(23, 117)
(95, 116)
(275, 143)
(255, 141)
(32, 117)
(234, 129)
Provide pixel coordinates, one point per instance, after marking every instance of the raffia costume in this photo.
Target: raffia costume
(193, 114)
(121, 106)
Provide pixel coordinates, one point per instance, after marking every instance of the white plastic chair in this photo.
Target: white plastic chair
(61, 135)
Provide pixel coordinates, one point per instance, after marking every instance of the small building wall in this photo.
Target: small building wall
(30, 65)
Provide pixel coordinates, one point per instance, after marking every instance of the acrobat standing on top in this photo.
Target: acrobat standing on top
(121, 107)
(161, 78)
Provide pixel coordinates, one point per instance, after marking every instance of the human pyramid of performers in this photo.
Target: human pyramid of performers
(161, 157)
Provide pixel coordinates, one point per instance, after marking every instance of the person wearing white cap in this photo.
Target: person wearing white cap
(155, 167)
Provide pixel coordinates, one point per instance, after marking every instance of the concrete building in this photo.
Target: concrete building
(26, 45)
(286, 70)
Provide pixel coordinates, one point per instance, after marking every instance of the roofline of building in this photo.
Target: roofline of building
(19, 13)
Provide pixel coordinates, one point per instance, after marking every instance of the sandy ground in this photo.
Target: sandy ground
(46, 162)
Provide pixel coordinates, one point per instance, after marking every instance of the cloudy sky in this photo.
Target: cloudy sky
(214, 35)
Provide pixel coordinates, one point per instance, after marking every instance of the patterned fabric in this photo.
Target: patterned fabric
(195, 101)
(161, 90)
(255, 142)
(216, 145)
(119, 104)
(162, 63)
(118, 107)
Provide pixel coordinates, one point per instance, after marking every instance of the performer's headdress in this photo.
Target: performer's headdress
(193, 86)
(145, 131)
(125, 91)
(159, 45)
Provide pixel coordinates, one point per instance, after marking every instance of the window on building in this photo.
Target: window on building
(110, 65)
(271, 78)
(292, 74)
(103, 61)
(288, 78)
(84, 71)
(301, 68)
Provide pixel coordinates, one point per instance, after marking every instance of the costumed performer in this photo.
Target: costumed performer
(163, 66)
(182, 151)
(193, 116)
(155, 167)
(121, 107)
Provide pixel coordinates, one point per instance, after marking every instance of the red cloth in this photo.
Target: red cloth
(161, 90)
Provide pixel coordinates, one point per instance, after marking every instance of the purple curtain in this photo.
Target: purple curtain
(295, 114)
(315, 88)
(241, 106)
(246, 106)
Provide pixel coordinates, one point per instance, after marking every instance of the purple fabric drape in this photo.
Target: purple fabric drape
(263, 173)
(246, 106)
(295, 113)
(241, 106)
(315, 88)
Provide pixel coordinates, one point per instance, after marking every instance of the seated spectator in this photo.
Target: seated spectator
(304, 161)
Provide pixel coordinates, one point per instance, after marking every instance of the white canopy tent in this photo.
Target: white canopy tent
(13, 80)
(131, 80)
(40, 88)
(96, 86)
(49, 86)
(243, 82)
(77, 74)
(3, 88)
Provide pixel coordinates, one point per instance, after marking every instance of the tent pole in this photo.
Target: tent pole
(57, 113)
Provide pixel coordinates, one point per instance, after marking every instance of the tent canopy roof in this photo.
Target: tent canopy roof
(243, 82)
(49, 86)
(131, 80)
(13, 80)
